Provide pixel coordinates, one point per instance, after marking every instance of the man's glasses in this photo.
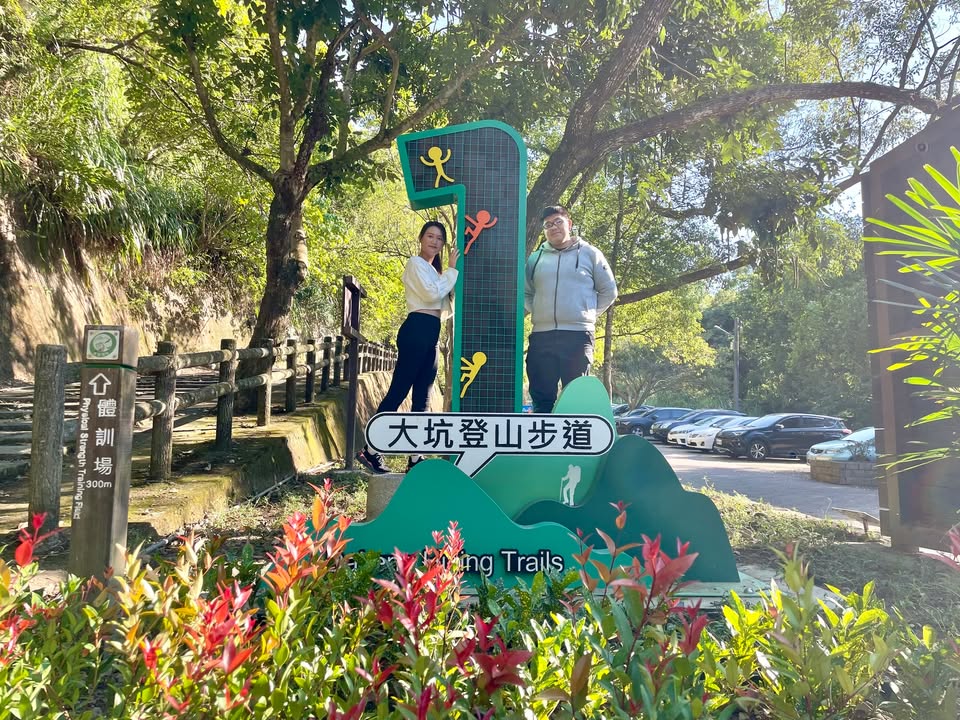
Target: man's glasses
(553, 223)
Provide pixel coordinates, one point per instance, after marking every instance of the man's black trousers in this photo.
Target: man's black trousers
(556, 356)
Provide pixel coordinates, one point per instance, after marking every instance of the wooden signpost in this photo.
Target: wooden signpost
(352, 293)
(101, 484)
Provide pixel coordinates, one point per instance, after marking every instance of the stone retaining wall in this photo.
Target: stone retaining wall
(844, 473)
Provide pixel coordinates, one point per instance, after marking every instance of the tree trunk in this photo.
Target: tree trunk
(286, 270)
(564, 164)
(608, 353)
(614, 261)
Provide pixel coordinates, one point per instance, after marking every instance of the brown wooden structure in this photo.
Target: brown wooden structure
(322, 360)
(917, 505)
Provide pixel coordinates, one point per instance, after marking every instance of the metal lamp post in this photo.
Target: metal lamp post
(735, 336)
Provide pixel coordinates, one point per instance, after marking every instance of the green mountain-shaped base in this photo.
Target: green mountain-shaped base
(433, 494)
(637, 474)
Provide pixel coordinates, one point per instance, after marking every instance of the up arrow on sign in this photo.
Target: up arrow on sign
(100, 383)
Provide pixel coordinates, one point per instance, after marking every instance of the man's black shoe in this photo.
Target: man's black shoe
(411, 461)
(373, 461)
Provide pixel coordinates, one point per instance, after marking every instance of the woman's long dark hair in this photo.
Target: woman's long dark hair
(437, 259)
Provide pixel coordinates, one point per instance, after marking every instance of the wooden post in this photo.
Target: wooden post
(101, 500)
(265, 391)
(309, 381)
(165, 391)
(46, 453)
(228, 374)
(337, 360)
(327, 354)
(290, 390)
(353, 373)
(352, 294)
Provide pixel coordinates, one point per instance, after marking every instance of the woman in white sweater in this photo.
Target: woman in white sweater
(429, 293)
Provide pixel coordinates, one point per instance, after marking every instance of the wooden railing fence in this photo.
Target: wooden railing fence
(326, 358)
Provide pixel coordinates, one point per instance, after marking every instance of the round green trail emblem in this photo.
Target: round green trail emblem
(103, 344)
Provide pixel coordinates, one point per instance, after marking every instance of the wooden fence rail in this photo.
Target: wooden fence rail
(327, 358)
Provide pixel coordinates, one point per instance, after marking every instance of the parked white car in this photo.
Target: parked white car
(703, 438)
(678, 435)
(862, 443)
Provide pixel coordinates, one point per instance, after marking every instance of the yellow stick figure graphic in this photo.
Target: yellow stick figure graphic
(436, 161)
(469, 370)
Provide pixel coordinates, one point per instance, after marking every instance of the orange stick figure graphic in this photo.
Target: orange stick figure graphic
(477, 226)
(436, 161)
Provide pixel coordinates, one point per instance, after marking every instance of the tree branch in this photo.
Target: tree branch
(388, 98)
(113, 51)
(310, 59)
(319, 119)
(383, 138)
(701, 111)
(214, 127)
(915, 42)
(287, 124)
(709, 208)
(347, 75)
(614, 72)
(687, 278)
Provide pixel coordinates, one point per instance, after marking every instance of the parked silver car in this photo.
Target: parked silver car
(859, 445)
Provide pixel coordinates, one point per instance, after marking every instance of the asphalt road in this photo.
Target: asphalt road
(784, 483)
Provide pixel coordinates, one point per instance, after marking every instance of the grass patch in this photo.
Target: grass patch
(919, 587)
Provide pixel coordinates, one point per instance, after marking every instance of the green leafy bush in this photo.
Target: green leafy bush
(319, 633)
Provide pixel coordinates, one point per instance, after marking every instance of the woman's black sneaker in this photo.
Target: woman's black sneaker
(373, 461)
(411, 461)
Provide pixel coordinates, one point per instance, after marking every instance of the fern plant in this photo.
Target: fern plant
(930, 251)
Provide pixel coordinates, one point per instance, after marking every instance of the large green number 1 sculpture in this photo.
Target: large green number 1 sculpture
(518, 511)
(482, 167)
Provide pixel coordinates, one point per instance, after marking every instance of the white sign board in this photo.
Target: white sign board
(477, 438)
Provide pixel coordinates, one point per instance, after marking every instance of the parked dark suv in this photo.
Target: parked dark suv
(659, 430)
(640, 424)
(779, 435)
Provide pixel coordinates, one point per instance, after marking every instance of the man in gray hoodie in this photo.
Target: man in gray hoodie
(569, 284)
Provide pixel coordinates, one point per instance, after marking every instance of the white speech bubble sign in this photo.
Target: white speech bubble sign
(477, 438)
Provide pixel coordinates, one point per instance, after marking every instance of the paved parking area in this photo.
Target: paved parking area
(784, 483)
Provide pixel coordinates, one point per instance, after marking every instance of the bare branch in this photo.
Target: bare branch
(687, 278)
(214, 127)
